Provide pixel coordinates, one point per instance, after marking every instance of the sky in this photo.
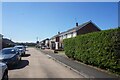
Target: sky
(25, 21)
(59, 0)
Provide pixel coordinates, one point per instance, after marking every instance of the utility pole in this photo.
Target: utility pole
(76, 22)
(37, 40)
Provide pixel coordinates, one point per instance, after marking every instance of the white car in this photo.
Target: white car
(3, 71)
(21, 49)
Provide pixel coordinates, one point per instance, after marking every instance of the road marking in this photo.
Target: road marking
(48, 56)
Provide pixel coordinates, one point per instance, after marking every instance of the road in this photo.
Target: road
(86, 70)
(35, 64)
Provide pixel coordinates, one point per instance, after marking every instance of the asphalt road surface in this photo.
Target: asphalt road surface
(35, 64)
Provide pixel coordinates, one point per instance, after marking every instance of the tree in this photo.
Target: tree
(37, 42)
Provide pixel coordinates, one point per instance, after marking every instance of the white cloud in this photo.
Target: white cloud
(24, 41)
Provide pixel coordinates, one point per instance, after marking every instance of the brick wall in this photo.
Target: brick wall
(87, 29)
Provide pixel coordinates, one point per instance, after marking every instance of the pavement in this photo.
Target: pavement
(36, 64)
(85, 70)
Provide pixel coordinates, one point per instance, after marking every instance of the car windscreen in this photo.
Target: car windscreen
(7, 51)
(20, 47)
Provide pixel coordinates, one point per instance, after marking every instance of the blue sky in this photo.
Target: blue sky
(24, 21)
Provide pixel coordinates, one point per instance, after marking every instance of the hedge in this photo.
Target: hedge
(69, 47)
(101, 49)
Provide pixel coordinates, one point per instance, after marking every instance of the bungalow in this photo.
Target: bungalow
(45, 43)
(7, 43)
(56, 42)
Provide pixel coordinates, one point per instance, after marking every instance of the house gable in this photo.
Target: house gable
(90, 27)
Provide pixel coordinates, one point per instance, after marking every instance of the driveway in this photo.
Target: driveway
(35, 64)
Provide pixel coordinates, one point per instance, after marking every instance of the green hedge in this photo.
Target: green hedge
(69, 48)
(101, 49)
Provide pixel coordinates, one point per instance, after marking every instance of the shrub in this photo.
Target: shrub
(70, 47)
(101, 49)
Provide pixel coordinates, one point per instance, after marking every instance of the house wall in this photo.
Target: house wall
(69, 35)
(61, 38)
(74, 34)
(64, 36)
(52, 39)
(47, 43)
(87, 29)
(52, 43)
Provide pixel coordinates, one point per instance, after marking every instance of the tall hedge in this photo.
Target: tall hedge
(101, 49)
(69, 47)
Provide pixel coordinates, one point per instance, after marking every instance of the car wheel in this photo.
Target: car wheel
(5, 76)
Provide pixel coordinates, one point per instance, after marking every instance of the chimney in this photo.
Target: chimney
(58, 32)
(77, 24)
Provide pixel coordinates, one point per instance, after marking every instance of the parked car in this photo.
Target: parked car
(26, 47)
(3, 71)
(43, 47)
(10, 56)
(22, 49)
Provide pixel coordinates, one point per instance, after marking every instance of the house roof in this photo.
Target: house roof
(75, 29)
(78, 27)
(5, 40)
(45, 39)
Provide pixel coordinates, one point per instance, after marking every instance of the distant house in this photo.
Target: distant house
(44, 42)
(4, 42)
(53, 41)
(7, 43)
(56, 42)
(1, 36)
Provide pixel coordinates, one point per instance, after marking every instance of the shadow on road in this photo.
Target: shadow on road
(26, 55)
(21, 64)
